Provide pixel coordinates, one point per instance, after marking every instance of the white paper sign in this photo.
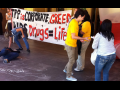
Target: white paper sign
(48, 27)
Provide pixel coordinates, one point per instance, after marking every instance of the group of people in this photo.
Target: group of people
(76, 44)
(7, 53)
(78, 40)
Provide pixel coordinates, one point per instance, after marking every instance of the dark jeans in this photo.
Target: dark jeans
(16, 37)
(103, 63)
(10, 56)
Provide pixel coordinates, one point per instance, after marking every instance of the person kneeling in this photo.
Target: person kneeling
(17, 32)
(8, 54)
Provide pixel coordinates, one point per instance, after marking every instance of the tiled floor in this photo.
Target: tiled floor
(46, 63)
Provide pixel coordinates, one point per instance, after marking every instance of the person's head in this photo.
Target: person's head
(106, 28)
(87, 16)
(8, 10)
(79, 15)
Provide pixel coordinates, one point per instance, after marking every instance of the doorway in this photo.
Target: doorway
(95, 21)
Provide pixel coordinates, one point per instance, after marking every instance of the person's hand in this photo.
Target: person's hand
(82, 40)
(87, 38)
(23, 36)
(92, 37)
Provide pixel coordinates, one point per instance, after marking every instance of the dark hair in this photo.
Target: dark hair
(87, 17)
(79, 12)
(105, 29)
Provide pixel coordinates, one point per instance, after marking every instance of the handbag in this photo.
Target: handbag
(6, 25)
(93, 56)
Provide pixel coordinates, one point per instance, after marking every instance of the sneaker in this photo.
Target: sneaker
(66, 72)
(19, 49)
(71, 78)
(28, 50)
(6, 61)
(78, 70)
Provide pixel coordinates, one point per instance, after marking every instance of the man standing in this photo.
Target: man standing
(71, 43)
(17, 32)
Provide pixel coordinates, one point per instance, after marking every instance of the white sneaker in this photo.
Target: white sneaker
(66, 72)
(77, 70)
(71, 78)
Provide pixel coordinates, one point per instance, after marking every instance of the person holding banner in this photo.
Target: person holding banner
(17, 32)
(71, 43)
(9, 25)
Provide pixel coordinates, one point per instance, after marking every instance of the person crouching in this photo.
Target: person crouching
(18, 32)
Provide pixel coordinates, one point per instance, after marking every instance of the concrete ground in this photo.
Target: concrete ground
(46, 63)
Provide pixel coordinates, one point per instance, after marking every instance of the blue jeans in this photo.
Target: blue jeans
(103, 63)
(10, 56)
(16, 38)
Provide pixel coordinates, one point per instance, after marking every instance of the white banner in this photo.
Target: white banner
(110, 13)
(48, 27)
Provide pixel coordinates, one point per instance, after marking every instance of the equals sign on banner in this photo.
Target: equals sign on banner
(50, 33)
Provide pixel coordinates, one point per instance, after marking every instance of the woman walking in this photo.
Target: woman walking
(106, 54)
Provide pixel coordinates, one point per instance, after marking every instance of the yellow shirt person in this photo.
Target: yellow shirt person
(73, 28)
(86, 28)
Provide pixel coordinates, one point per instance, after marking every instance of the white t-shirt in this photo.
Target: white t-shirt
(9, 17)
(104, 46)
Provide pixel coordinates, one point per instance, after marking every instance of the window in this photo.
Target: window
(60, 9)
(49, 9)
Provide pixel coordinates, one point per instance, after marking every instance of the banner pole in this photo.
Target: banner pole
(12, 23)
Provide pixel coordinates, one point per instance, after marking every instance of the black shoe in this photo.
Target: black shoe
(28, 50)
(19, 49)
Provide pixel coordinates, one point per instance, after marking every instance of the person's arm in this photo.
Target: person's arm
(96, 41)
(78, 38)
(20, 30)
(81, 32)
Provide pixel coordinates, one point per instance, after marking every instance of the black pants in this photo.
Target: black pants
(9, 26)
(79, 44)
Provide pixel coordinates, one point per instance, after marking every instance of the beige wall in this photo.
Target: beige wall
(39, 9)
(29, 9)
(36, 9)
(89, 11)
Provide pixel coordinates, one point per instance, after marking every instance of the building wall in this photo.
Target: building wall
(29, 9)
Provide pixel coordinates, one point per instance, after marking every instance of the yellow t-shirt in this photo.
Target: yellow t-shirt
(73, 28)
(86, 28)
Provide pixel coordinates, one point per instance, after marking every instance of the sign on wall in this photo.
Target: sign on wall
(48, 27)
